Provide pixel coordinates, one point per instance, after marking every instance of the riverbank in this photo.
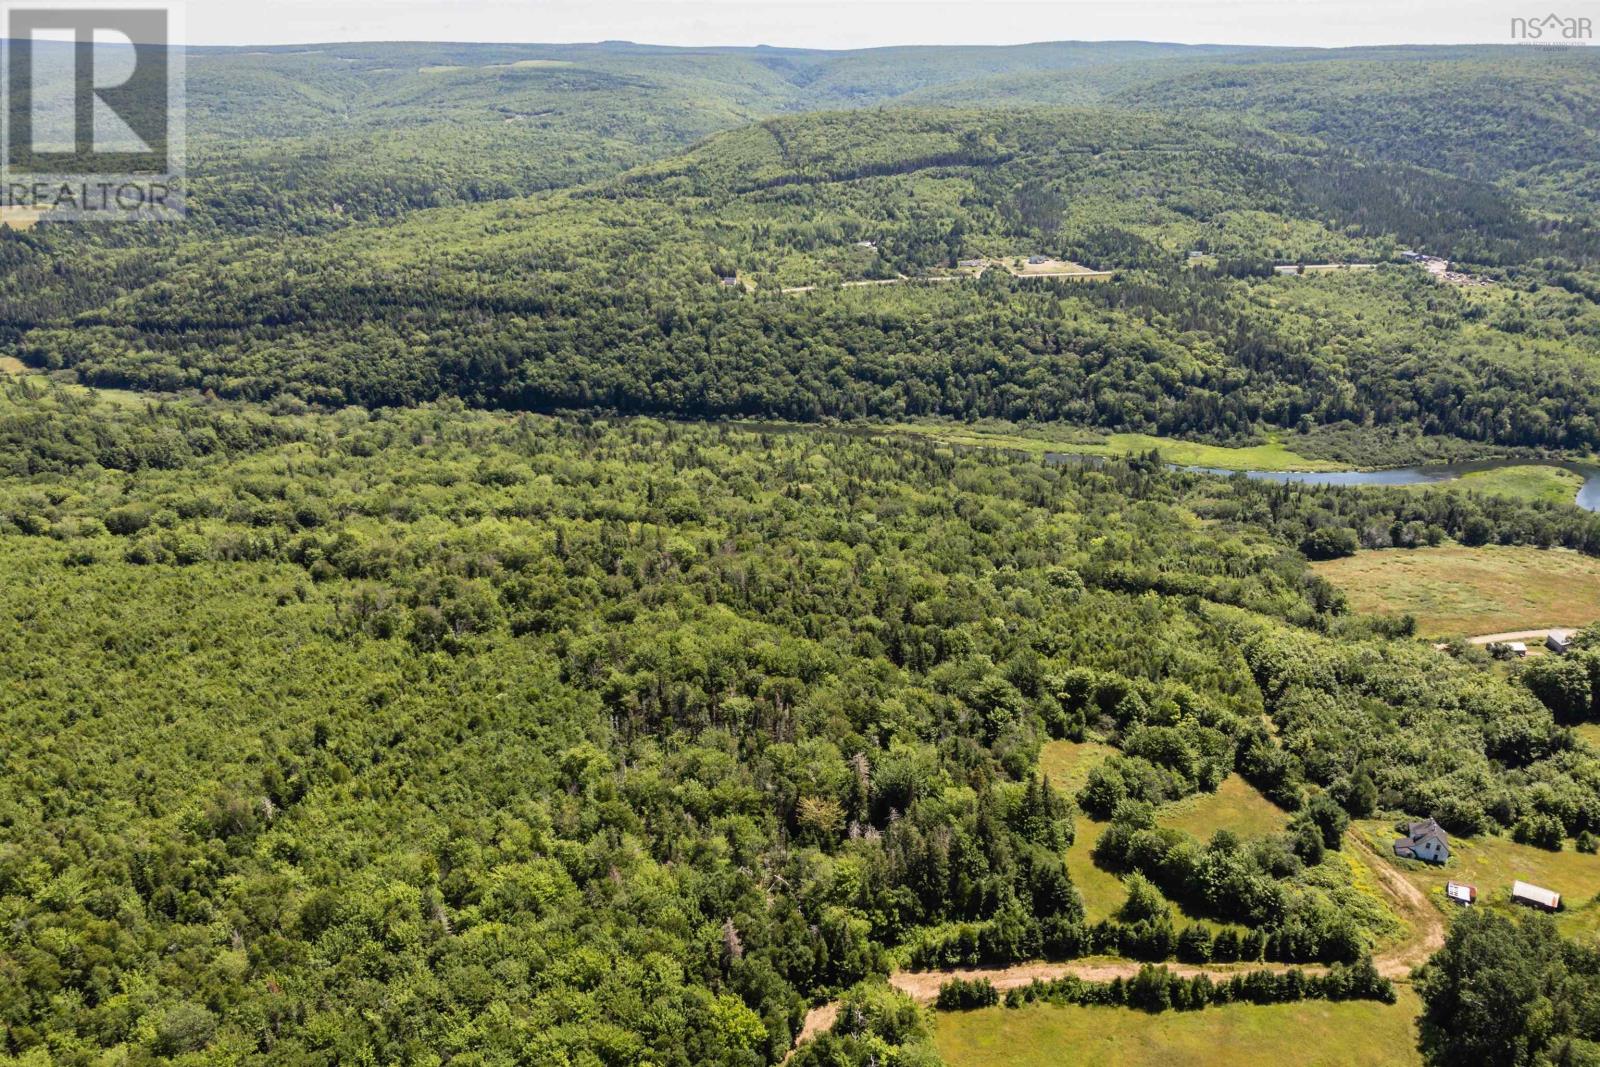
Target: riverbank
(1333, 448)
(1518, 477)
(1552, 482)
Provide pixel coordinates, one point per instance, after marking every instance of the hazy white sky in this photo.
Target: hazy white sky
(865, 23)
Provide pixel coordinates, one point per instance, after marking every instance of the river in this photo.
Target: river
(1588, 495)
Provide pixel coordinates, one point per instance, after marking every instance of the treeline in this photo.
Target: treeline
(1509, 992)
(1157, 989)
(1155, 938)
(1327, 522)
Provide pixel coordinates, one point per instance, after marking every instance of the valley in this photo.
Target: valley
(636, 556)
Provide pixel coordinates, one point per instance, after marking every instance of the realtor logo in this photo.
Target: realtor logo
(1553, 29)
(93, 118)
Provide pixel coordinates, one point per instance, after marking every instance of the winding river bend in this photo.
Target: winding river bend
(1588, 496)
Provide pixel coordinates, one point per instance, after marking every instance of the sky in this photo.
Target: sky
(868, 23)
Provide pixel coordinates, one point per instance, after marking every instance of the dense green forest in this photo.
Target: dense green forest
(402, 260)
(465, 599)
(427, 733)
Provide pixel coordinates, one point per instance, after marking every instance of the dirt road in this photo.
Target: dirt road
(1423, 921)
(1520, 635)
(818, 1019)
(924, 985)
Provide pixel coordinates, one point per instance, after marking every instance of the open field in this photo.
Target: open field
(1103, 892)
(1022, 267)
(1455, 590)
(1236, 805)
(1529, 481)
(1307, 1034)
(1272, 456)
(1589, 731)
(1492, 864)
(1067, 765)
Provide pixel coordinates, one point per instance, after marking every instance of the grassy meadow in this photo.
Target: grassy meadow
(1236, 805)
(1455, 590)
(1531, 482)
(1307, 1034)
(1067, 765)
(1271, 456)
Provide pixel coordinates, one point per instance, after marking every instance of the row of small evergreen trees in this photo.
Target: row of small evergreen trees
(1157, 989)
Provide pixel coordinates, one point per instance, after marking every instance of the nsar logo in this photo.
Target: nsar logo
(1554, 29)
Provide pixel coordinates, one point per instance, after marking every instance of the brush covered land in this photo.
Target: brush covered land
(396, 672)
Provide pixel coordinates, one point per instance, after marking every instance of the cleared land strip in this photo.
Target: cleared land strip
(1423, 921)
(876, 281)
(923, 986)
(1518, 635)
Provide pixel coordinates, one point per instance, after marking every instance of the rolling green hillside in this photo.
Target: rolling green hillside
(407, 658)
(307, 137)
(607, 295)
(1530, 119)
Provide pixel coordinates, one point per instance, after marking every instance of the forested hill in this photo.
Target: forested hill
(309, 138)
(384, 684)
(305, 138)
(611, 295)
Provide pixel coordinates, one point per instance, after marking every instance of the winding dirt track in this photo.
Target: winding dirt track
(1410, 904)
(1520, 635)
(923, 986)
(1426, 936)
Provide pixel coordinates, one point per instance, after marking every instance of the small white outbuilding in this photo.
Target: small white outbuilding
(1537, 896)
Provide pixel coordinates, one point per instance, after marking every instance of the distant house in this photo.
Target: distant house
(1559, 641)
(972, 263)
(728, 279)
(1036, 260)
(1517, 648)
(1424, 841)
(1461, 893)
(1535, 896)
(866, 244)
